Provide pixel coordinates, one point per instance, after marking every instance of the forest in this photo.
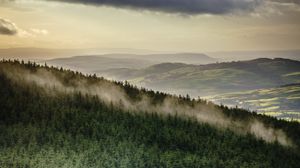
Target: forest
(72, 123)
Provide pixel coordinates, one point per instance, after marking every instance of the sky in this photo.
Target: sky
(157, 25)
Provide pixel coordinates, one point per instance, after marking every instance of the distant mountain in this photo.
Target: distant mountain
(45, 54)
(184, 57)
(91, 64)
(35, 53)
(100, 63)
(50, 53)
(281, 102)
(188, 58)
(248, 55)
(203, 80)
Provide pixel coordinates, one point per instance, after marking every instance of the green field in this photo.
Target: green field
(281, 102)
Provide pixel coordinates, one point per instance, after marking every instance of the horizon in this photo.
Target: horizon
(239, 25)
(39, 54)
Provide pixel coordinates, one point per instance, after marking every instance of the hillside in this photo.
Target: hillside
(93, 63)
(187, 58)
(100, 63)
(210, 79)
(248, 55)
(59, 118)
(281, 102)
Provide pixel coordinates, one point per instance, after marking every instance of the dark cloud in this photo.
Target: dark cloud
(287, 1)
(189, 7)
(7, 27)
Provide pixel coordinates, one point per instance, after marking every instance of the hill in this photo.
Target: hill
(93, 63)
(100, 63)
(210, 79)
(187, 58)
(248, 55)
(60, 118)
(281, 102)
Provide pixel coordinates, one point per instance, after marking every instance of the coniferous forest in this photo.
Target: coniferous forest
(45, 125)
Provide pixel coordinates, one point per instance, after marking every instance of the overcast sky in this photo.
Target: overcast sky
(159, 25)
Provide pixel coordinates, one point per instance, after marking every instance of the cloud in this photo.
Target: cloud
(39, 31)
(188, 7)
(287, 1)
(184, 7)
(7, 27)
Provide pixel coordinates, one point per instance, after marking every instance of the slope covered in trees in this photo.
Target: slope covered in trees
(58, 118)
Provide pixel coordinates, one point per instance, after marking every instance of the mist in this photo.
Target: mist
(113, 94)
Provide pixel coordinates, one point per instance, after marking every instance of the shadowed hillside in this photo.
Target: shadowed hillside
(59, 118)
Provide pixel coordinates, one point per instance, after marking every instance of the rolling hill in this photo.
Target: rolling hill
(210, 79)
(91, 64)
(248, 55)
(60, 118)
(99, 63)
(187, 58)
(281, 102)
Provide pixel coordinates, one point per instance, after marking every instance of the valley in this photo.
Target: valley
(281, 102)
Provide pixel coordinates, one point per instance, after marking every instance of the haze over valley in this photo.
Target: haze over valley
(198, 75)
(149, 83)
(207, 80)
